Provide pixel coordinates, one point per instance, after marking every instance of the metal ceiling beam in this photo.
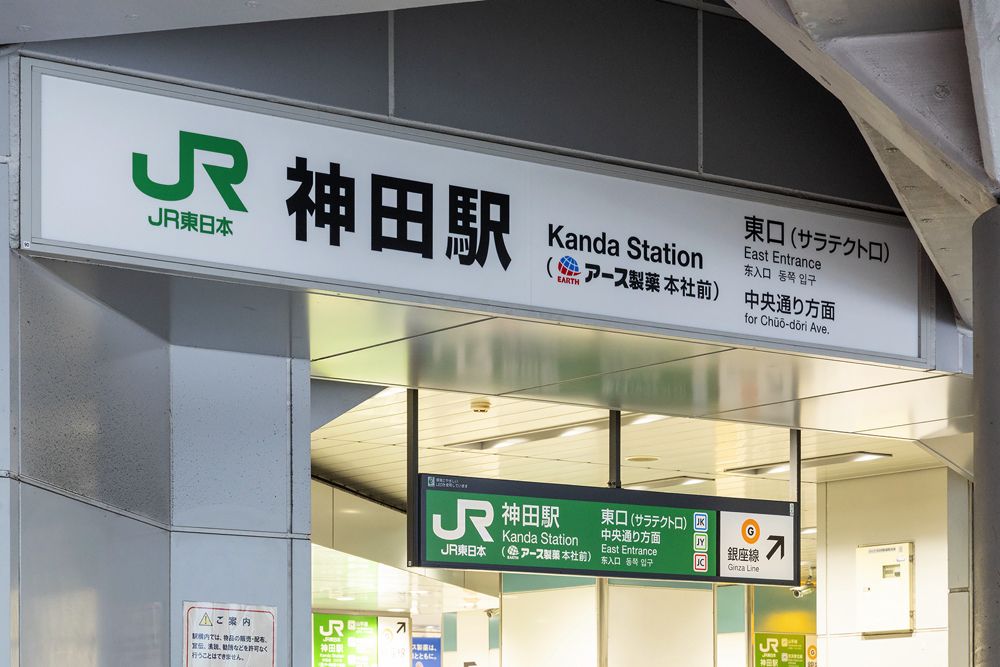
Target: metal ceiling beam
(43, 20)
(900, 67)
(981, 19)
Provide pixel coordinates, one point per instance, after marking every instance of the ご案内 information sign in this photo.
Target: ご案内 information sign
(220, 633)
(470, 523)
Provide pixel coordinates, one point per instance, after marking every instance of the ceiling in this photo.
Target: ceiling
(41, 20)
(359, 340)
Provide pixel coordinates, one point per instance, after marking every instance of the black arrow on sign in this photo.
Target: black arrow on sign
(779, 542)
(400, 627)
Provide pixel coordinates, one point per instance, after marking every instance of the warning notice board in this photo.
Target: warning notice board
(218, 633)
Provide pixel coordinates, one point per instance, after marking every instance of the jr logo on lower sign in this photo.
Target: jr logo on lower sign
(479, 522)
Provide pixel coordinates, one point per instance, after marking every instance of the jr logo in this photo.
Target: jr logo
(769, 647)
(332, 627)
(480, 523)
(224, 178)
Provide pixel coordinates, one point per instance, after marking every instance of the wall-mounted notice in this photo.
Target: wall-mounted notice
(471, 523)
(426, 652)
(341, 640)
(218, 634)
(393, 642)
(784, 650)
(269, 191)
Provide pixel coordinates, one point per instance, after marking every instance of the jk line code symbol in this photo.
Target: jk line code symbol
(750, 531)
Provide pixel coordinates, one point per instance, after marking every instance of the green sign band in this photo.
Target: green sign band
(468, 523)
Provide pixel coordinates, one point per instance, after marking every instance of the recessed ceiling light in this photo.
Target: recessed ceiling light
(642, 458)
(396, 610)
(809, 531)
(390, 391)
(645, 419)
(350, 510)
(344, 598)
(677, 480)
(779, 467)
(576, 430)
(507, 442)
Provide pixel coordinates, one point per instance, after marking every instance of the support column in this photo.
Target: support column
(986, 491)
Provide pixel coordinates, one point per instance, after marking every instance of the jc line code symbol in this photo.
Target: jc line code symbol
(750, 531)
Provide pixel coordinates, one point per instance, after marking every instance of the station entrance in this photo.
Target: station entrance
(883, 525)
(237, 395)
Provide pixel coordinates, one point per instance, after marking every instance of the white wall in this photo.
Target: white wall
(659, 626)
(550, 627)
(731, 649)
(922, 507)
(472, 645)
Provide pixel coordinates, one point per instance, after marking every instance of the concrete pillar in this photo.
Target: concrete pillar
(160, 455)
(986, 492)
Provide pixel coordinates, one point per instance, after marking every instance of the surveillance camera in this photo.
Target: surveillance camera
(802, 591)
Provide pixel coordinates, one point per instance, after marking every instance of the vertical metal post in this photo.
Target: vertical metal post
(615, 449)
(603, 587)
(603, 609)
(795, 465)
(986, 392)
(412, 470)
(750, 625)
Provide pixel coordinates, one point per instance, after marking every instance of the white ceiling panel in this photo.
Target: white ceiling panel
(935, 398)
(500, 355)
(711, 384)
(341, 324)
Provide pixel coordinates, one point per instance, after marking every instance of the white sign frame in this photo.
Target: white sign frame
(222, 610)
(32, 240)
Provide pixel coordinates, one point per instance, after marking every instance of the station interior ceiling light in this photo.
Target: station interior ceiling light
(666, 482)
(779, 467)
(563, 431)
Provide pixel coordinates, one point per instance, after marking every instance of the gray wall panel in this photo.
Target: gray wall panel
(8, 556)
(231, 569)
(94, 586)
(227, 316)
(301, 634)
(4, 111)
(338, 61)
(94, 399)
(766, 120)
(231, 440)
(618, 78)
(613, 78)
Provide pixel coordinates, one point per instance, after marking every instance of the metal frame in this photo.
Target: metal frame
(30, 241)
(621, 496)
(412, 476)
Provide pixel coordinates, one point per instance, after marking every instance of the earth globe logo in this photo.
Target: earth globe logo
(568, 266)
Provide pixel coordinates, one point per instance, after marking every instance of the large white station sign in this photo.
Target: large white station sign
(143, 172)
